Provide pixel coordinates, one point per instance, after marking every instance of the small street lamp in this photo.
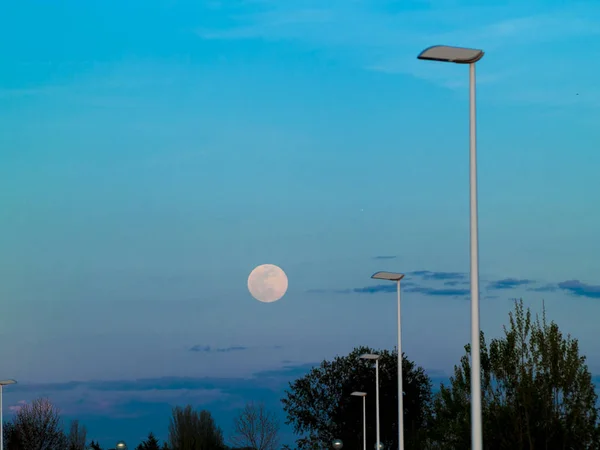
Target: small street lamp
(337, 444)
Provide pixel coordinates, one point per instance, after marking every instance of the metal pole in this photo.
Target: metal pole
(400, 390)
(364, 422)
(377, 400)
(476, 428)
(1, 422)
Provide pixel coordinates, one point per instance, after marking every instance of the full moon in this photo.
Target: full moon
(267, 283)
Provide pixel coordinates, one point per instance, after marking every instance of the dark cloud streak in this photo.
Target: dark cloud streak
(429, 275)
(580, 289)
(435, 292)
(507, 283)
(209, 349)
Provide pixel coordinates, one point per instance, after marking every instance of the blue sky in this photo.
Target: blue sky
(153, 153)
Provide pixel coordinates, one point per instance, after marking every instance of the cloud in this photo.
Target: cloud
(384, 257)
(377, 288)
(383, 36)
(580, 289)
(545, 288)
(411, 287)
(16, 408)
(113, 396)
(507, 283)
(429, 275)
(439, 292)
(209, 349)
(455, 283)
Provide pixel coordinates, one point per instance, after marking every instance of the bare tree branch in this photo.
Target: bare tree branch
(256, 428)
(38, 426)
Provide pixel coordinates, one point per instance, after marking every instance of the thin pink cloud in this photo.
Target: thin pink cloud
(16, 408)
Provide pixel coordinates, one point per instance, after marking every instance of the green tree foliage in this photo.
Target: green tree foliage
(537, 392)
(320, 408)
(36, 426)
(194, 430)
(151, 443)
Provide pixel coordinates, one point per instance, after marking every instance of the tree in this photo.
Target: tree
(95, 446)
(151, 443)
(537, 392)
(256, 428)
(194, 430)
(77, 436)
(320, 408)
(36, 426)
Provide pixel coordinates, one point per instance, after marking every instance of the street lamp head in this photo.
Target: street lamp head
(359, 394)
(446, 53)
(390, 276)
(337, 444)
(370, 356)
(7, 382)
(121, 446)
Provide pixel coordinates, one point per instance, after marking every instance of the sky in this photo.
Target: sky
(152, 153)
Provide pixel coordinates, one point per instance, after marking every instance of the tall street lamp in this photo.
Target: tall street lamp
(364, 403)
(392, 276)
(2, 384)
(469, 56)
(372, 357)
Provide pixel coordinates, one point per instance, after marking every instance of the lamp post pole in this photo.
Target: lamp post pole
(469, 56)
(400, 390)
(394, 276)
(377, 400)
(376, 359)
(476, 426)
(364, 414)
(2, 384)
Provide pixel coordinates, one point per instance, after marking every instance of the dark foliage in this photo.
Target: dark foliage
(320, 408)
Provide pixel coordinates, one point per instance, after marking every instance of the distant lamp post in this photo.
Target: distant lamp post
(375, 358)
(469, 56)
(337, 444)
(380, 446)
(396, 277)
(364, 402)
(2, 384)
(121, 446)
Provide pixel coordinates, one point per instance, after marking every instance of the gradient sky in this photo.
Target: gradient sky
(152, 153)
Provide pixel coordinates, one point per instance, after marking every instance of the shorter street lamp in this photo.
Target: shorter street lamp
(121, 446)
(364, 402)
(2, 384)
(337, 444)
(373, 357)
(396, 277)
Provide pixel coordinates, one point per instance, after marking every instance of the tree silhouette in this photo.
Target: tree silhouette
(256, 428)
(320, 407)
(36, 426)
(194, 430)
(151, 443)
(77, 436)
